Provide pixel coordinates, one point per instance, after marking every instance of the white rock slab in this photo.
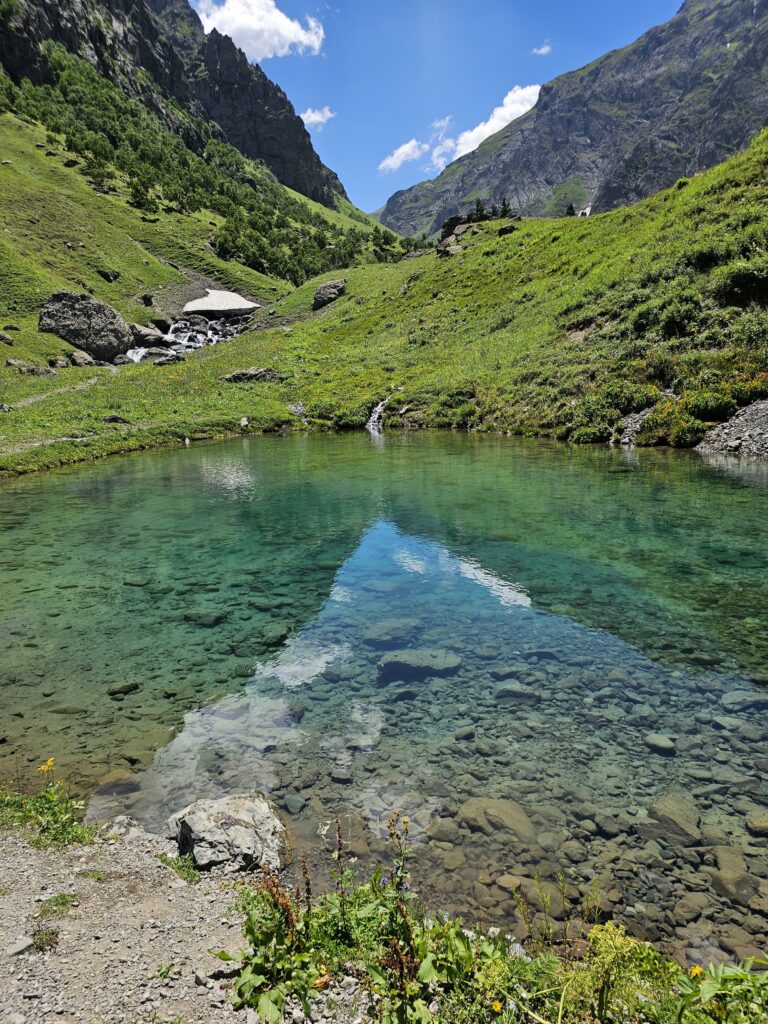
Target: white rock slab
(221, 304)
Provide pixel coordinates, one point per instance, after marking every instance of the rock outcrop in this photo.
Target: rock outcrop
(682, 98)
(89, 325)
(244, 831)
(746, 433)
(328, 293)
(255, 375)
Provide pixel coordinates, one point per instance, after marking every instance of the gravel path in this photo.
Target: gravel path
(134, 946)
(132, 915)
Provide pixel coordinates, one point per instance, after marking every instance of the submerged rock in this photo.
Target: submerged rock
(757, 824)
(90, 325)
(206, 619)
(243, 830)
(409, 666)
(674, 819)
(490, 816)
(660, 744)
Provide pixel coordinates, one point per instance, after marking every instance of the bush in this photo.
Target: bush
(669, 423)
(709, 406)
(742, 282)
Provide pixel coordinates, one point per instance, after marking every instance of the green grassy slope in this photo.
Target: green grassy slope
(560, 328)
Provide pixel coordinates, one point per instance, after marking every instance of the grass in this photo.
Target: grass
(45, 938)
(183, 866)
(57, 906)
(559, 329)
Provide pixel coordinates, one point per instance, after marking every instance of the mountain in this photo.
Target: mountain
(682, 98)
(560, 328)
(128, 41)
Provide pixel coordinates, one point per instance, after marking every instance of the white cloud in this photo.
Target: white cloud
(544, 50)
(411, 150)
(261, 28)
(517, 101)
(317, 118)
(440, 128)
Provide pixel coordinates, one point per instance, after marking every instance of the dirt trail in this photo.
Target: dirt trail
(131, 918)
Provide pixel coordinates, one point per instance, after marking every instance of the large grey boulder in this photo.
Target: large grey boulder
(89, 325)
(329, 292)
(243, 830)
(254, 375)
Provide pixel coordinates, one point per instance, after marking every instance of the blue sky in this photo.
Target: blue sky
(411, 83)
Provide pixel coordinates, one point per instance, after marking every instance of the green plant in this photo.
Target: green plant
(51, 817)
(56, 906)
(167, 972)
(44, 938)
(742, 282)
(184, 866)
(732, 993)
(95, 876)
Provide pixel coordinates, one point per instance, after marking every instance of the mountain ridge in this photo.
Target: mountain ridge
(206, 75)
(683, 97)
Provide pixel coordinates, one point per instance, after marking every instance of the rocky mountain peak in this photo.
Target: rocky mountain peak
(680, 99)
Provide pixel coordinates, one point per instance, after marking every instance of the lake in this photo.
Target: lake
(551, 659)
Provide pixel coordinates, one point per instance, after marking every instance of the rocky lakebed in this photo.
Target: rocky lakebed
(553, 661)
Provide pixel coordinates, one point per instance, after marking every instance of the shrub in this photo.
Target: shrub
(742, 282)
(669, 423)
(709, 406)
(418, 970)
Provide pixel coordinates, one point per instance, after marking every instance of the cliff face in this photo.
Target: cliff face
(207, 75)
(255, 114)
(682, 98)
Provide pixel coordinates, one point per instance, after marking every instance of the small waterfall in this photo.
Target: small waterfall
(190, 334)
(376, 423)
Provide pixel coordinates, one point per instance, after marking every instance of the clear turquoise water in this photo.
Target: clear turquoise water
(245, 594)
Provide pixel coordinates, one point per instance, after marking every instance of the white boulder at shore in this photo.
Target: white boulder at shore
(244, 831)
(221, 304)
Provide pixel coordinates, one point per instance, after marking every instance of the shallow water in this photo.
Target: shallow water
(420, 623)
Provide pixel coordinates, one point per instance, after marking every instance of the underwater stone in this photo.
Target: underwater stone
(757, 824)
(675, 820)
(660, 744)
(409, 666)
(205, 619)
(517, 695)
(489, 816)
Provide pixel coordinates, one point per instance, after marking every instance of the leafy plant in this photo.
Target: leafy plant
(183, 866)
(45, 938)
(51, 817)
(732, 993)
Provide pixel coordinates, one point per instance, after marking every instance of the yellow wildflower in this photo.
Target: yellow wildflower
(696, 971)
(47, 767)
(496, 1006)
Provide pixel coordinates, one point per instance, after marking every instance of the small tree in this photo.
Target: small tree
(570, 210)
(505, 207)
(479, 209)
